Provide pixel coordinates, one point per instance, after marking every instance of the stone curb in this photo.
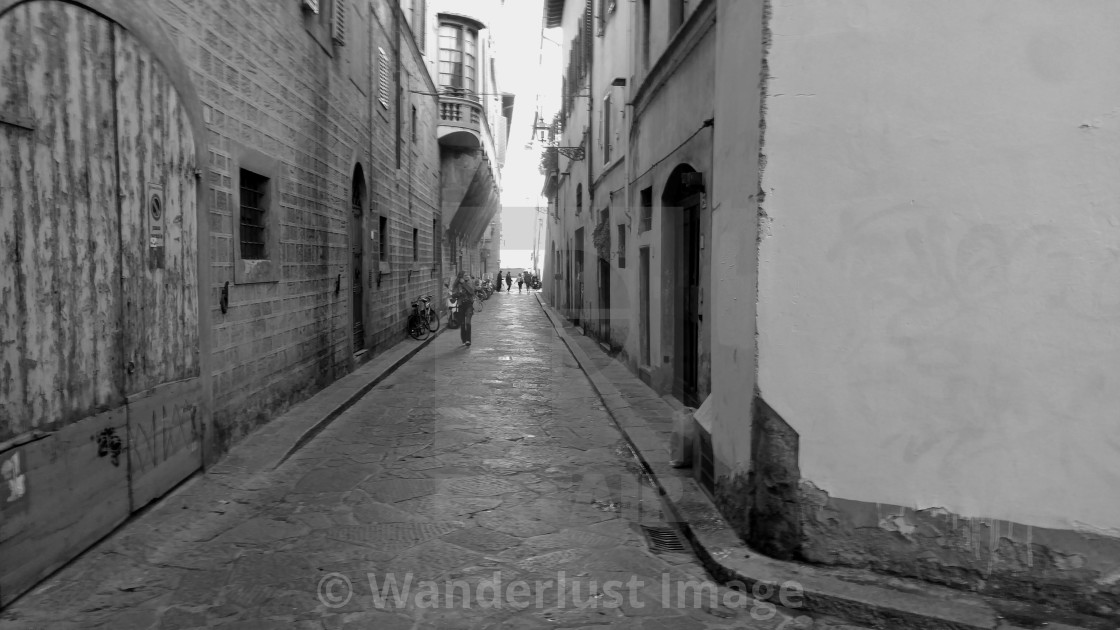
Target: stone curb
(841, 593)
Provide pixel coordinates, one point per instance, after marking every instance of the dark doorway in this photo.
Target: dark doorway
(605, 283)
(690, 296)
(578, 286)
(357, 252)
(643, 301)
(682, 280)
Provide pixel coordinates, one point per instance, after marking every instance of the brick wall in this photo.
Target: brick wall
(274, 85)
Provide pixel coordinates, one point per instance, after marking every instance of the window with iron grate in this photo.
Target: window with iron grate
(254, 192)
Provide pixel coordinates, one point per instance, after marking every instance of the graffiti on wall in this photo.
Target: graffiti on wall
(109, 444)
(161, 431)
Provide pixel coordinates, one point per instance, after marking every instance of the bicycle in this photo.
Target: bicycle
(417, 323)
(429, 313)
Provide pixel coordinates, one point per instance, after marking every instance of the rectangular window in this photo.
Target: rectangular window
(383, 238)
(458, 53)
(254, 192)
(645, 34)
(646, 218)
(414, 119)
(621, 246)
(676, 15)
(383, 77)
(435, 241)
(607, 129)
(338, 23)
(419, 16)
(415, 244)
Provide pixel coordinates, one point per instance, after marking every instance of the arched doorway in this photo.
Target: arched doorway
(358, 202)
(682, 242)
(101, 327)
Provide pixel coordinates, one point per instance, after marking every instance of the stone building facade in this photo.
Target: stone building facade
(239, 199)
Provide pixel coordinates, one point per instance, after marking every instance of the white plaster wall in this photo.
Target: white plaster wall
(734, 230)
(939, 306)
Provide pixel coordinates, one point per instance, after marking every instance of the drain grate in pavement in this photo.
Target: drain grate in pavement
(663, 539)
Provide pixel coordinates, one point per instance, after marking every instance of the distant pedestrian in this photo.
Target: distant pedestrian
(520, 281)
(509, 283)
(462, 289)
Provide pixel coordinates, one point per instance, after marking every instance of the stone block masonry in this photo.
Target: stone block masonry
(276, 90)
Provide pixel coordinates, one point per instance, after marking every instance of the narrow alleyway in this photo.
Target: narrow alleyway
(470, 477)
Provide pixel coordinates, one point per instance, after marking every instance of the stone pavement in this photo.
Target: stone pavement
(481, 487)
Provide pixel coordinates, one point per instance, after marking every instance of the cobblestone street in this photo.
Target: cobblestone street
(475, 487)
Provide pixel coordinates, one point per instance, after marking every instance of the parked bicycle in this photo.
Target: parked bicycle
(429, 314)
(417, 323)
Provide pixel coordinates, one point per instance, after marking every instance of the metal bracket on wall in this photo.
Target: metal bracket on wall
(379, 274)
(575, 154)
(223, 301)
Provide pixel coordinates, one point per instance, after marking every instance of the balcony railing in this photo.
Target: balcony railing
(460, 112)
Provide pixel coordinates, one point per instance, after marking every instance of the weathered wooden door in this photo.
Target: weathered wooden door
(98, 286)
(158, 235)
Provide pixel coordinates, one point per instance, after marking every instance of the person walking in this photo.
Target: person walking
(509, 283)
(463, 290)
(520, 281)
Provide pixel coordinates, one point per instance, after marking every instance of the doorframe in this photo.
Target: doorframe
(141, 22)
(692, 203)
(362, 273)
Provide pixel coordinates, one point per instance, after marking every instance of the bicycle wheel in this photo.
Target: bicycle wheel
(433, 320)
(417, 327)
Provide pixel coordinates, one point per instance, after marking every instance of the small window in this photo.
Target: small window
(646, 221)
(579, 199)
(414, 118)
(621, 246)
(436, 244)
(383, 237)
(645, 33)
(607, 129)
(419, 19)
(676, 15)
(254, 195)
(383, 77)
(415, 244)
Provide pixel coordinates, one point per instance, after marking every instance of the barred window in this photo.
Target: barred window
(254, 192)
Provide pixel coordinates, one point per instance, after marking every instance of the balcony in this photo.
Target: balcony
(462, 123)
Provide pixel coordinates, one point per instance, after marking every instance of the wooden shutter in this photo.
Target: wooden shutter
(338, 23)
(383, 77)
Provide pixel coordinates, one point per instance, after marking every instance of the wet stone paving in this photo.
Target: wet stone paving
(480, 487)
